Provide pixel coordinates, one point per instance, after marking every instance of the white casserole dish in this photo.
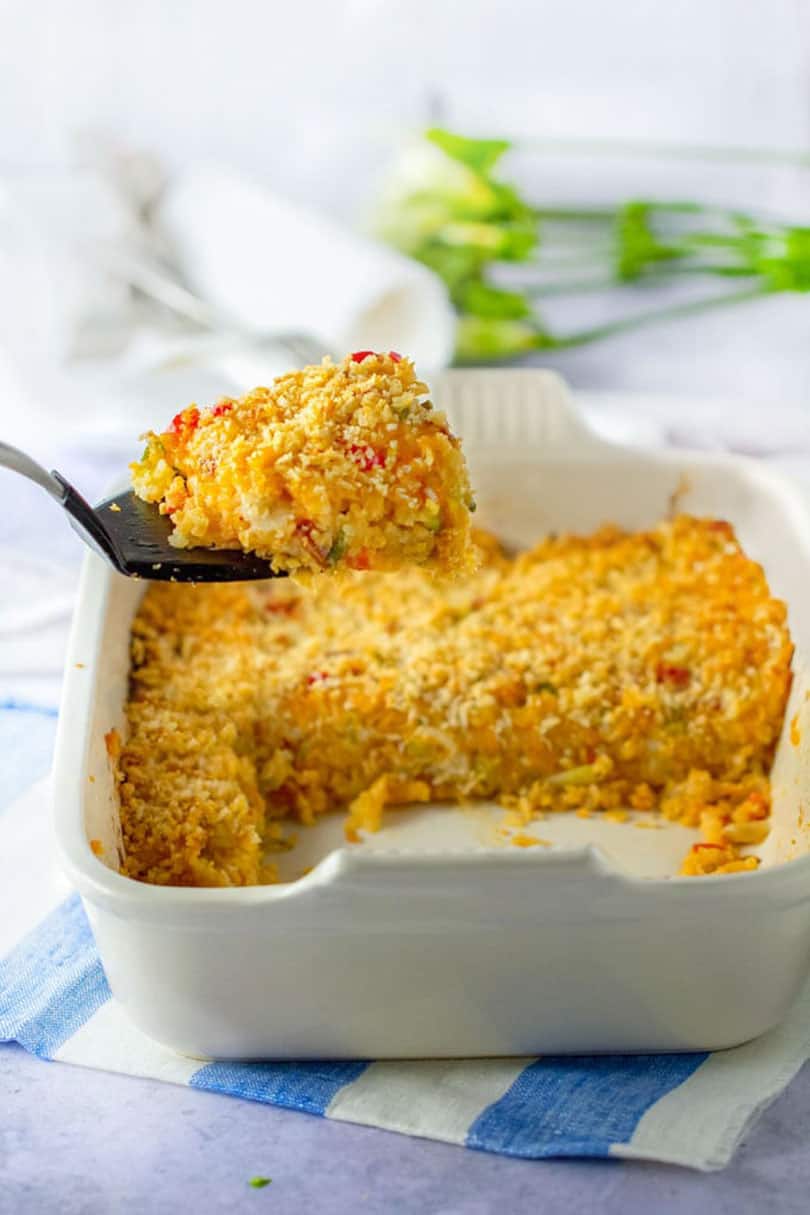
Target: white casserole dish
(433, 939)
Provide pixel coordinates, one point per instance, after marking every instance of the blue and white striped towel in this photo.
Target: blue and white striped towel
(54, 1001)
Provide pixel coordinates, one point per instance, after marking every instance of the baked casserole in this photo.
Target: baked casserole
(604, 674)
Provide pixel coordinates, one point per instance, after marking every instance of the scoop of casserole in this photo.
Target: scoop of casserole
(336, 465)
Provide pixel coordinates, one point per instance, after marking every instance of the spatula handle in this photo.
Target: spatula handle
(83, 518)
(17, 461)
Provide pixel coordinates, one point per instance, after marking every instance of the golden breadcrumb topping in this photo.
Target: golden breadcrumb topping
(336, 465)
(601, 674)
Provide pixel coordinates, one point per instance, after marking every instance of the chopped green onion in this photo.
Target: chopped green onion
(586, 774)
(338, 549)
(448, 210)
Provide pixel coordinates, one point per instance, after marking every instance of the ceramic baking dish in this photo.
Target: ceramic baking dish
(437, 938)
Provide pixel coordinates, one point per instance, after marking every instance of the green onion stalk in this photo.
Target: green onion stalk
(501, 257)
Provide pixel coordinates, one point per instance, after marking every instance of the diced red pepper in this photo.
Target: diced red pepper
(361, 562)
(317, 677)
(187, 419)
(305, 526)
(760, 808)
(222, 408)
(721, 525)
(359, 355)
(678, 677)
(366, 457)
(281, 607)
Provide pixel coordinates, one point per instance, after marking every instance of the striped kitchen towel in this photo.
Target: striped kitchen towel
(685, 1109)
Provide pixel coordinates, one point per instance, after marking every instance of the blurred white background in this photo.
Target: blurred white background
(314, 99)
(309, 95)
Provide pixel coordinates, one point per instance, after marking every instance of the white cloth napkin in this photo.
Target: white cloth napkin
(89, 355)
(274, 267)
